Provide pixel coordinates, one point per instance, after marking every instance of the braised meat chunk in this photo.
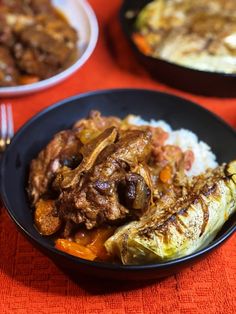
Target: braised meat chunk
(68, 178)
(29, 6)
(8, 71)
(6, 34)
(103, 181)
(44, 49)
(95, 199)
(91, 127)
(63, 150)
(41, 41)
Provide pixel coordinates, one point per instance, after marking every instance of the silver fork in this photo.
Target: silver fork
(6, 126)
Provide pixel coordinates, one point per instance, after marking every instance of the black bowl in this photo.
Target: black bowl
(190, 80)
(35, 134)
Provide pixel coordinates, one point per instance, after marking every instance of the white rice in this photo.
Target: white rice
(186, 140)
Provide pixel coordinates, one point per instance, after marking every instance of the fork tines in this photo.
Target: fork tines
(6, 125)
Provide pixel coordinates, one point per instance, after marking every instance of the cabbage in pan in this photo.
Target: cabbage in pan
(184, 227)
(198, 34)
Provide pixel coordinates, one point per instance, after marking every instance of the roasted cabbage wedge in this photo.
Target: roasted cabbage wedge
(184, 226)
(197, 34)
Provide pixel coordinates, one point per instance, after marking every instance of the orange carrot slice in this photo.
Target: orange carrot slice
(75, 249)
(28, 79)
(97, 245)
(142, 43)
(165, 174)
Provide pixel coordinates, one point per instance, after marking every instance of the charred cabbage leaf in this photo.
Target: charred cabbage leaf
(183, 227)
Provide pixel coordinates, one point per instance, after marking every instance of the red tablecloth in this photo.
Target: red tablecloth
(30, 283)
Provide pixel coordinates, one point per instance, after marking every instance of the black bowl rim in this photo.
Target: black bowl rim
(105, 265)
(182, 67)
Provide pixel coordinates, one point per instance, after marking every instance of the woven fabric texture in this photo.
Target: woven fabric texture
(29, 281)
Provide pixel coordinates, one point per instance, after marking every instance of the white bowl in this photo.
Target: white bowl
(81, 16)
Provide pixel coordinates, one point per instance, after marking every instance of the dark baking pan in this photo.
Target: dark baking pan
(190, 80)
